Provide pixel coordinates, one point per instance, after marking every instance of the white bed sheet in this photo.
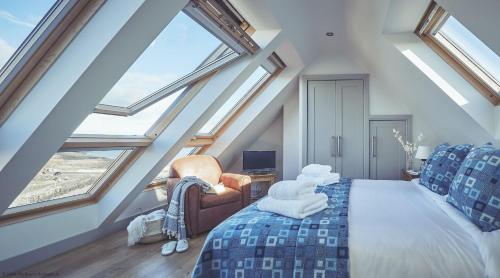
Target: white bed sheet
(395, 230)
(488, 243)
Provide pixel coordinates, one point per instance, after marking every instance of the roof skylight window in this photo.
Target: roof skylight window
(238, 97)
(68, 174)
(177, 51)
(466, 53)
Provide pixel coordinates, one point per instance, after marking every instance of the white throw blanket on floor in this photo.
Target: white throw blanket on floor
(298, 209)
(292, 189)
(137, 227)
(324, 179)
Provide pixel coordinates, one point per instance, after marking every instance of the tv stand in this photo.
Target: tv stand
(264, 181)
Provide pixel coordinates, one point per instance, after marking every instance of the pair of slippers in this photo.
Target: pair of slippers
(174, 246)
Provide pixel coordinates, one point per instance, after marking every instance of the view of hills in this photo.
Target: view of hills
(66, 174)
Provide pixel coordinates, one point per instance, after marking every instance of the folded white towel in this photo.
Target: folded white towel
(324, 179)
(315, 170)
(298, 209)
(291, 189)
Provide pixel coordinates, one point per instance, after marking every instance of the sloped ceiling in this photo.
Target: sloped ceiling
(359, 27)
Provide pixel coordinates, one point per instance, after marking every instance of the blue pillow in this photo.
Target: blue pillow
(475, 190)
(442, 165)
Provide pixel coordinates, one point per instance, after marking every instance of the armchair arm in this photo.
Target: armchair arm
(238, 182)
(235, 181)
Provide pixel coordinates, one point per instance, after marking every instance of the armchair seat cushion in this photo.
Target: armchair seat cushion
(228, 196)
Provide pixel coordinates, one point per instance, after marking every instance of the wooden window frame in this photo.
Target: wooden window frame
(93, 195)
(41, 49)
(433, 17)
(256, 88)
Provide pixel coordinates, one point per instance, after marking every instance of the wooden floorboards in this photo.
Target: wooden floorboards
(111, 257)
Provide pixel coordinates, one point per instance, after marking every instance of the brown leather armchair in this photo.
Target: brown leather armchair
(205, 211)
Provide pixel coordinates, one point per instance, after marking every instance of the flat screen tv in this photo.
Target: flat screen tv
(259, 161)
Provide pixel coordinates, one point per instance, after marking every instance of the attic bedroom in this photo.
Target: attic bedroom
(249, 138)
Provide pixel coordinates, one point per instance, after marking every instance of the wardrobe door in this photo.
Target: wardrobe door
(321, 143)
(350, 128)
(387, 157)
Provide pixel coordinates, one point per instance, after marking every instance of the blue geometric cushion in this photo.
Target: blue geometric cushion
(442, 165)
(475, 190)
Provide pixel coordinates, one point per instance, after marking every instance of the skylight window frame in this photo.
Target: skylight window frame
(216, 61)
(216, 20)
(93, 195)
(235, 108)
(428, 30)
(273, 65)
(40, 49)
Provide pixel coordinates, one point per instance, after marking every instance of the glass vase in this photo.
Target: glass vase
(409, 161)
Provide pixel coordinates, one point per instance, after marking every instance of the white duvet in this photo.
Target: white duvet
(395, 230)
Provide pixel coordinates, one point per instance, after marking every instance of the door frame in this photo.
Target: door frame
(304, 80)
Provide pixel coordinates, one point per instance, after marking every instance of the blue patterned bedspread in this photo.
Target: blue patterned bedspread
(253, 243)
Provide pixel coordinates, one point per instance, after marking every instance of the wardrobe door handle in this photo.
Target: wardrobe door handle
(332, 147)
(339, 146)
(374, 151)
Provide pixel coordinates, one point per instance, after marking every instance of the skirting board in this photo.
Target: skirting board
(28, 259)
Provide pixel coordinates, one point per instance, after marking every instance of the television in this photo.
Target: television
(259, 161)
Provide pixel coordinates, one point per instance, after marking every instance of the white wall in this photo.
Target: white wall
(291, 137)
(270, 140)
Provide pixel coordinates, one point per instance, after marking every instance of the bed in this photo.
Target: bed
(373, 229)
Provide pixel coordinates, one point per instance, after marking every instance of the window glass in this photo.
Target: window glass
(178, 50)
(66, 174)
(182, 153)
(17, 19)
(137, 124)
(473, 48)
(237, 96)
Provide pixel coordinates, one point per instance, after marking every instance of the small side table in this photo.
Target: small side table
(264, 181)
(407, 176)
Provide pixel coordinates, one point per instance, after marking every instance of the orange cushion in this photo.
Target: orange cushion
(228, 196)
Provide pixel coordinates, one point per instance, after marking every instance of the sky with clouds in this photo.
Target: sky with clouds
(17, 20)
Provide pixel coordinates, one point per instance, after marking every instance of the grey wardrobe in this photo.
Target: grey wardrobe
(336, 125)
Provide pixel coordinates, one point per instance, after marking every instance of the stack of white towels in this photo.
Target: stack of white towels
(320, 174)
(297, 198)
(294, 199)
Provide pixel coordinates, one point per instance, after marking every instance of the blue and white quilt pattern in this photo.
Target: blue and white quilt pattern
(253, 243)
